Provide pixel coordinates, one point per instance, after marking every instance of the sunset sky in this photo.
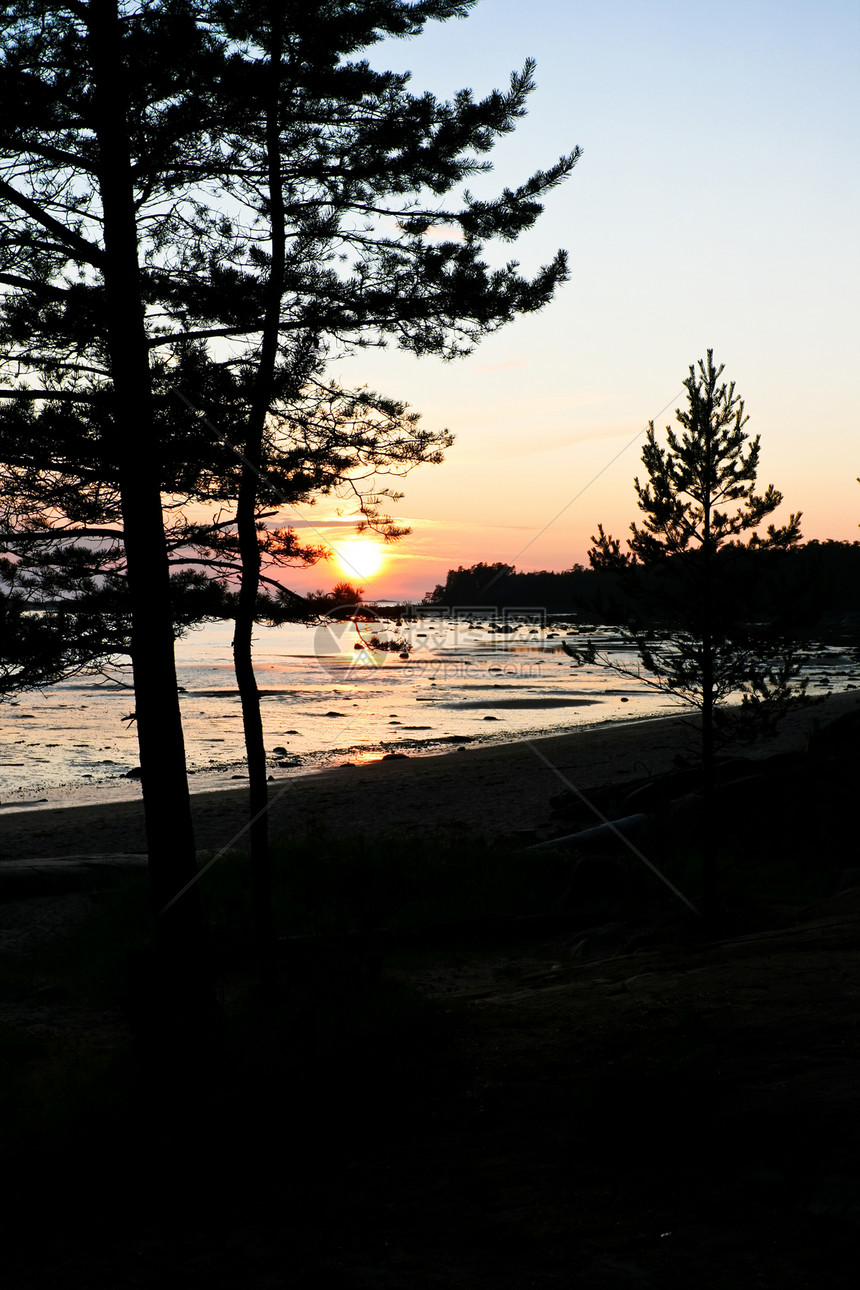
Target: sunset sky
(715, 205)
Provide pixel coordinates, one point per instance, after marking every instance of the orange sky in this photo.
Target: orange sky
(716, 205)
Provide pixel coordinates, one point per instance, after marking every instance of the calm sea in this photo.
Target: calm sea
(329, 696)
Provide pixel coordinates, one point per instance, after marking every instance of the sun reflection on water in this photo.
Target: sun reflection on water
(363, 756)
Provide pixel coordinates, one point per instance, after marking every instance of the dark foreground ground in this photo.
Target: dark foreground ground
(605, 1094)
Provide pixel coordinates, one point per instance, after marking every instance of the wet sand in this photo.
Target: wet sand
(488, 791)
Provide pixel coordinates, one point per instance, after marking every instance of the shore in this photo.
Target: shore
(619, 1098)
(485, 791)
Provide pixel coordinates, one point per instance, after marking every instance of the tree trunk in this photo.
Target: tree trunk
(255, 752)
(248, 539)
(134, 452)
(709, 848)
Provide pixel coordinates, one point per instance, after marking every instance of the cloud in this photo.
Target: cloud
(317, 522)
(444, 233)
(455, 526)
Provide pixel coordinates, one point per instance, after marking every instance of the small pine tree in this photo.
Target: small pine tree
(693, 603)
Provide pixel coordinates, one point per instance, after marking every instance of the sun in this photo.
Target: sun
(360, 557)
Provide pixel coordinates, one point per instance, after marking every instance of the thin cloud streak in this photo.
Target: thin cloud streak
(555, 443)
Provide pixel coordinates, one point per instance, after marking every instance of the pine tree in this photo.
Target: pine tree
(86, 106)
(688, 610)
(194, 186)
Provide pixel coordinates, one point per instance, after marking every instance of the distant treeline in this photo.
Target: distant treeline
(501, 586)
(813, 582)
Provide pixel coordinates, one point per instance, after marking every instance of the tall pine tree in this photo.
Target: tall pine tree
(190, 186)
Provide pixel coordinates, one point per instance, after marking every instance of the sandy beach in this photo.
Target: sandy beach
(485, 791)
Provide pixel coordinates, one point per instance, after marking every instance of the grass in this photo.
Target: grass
(337, 1089)
(327, 885)
(345, 1028)
(349, 1052)
(345, 1034)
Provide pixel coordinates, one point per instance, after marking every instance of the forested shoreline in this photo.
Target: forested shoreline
(813, 585)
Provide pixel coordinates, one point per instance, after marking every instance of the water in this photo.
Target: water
(327, 698)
